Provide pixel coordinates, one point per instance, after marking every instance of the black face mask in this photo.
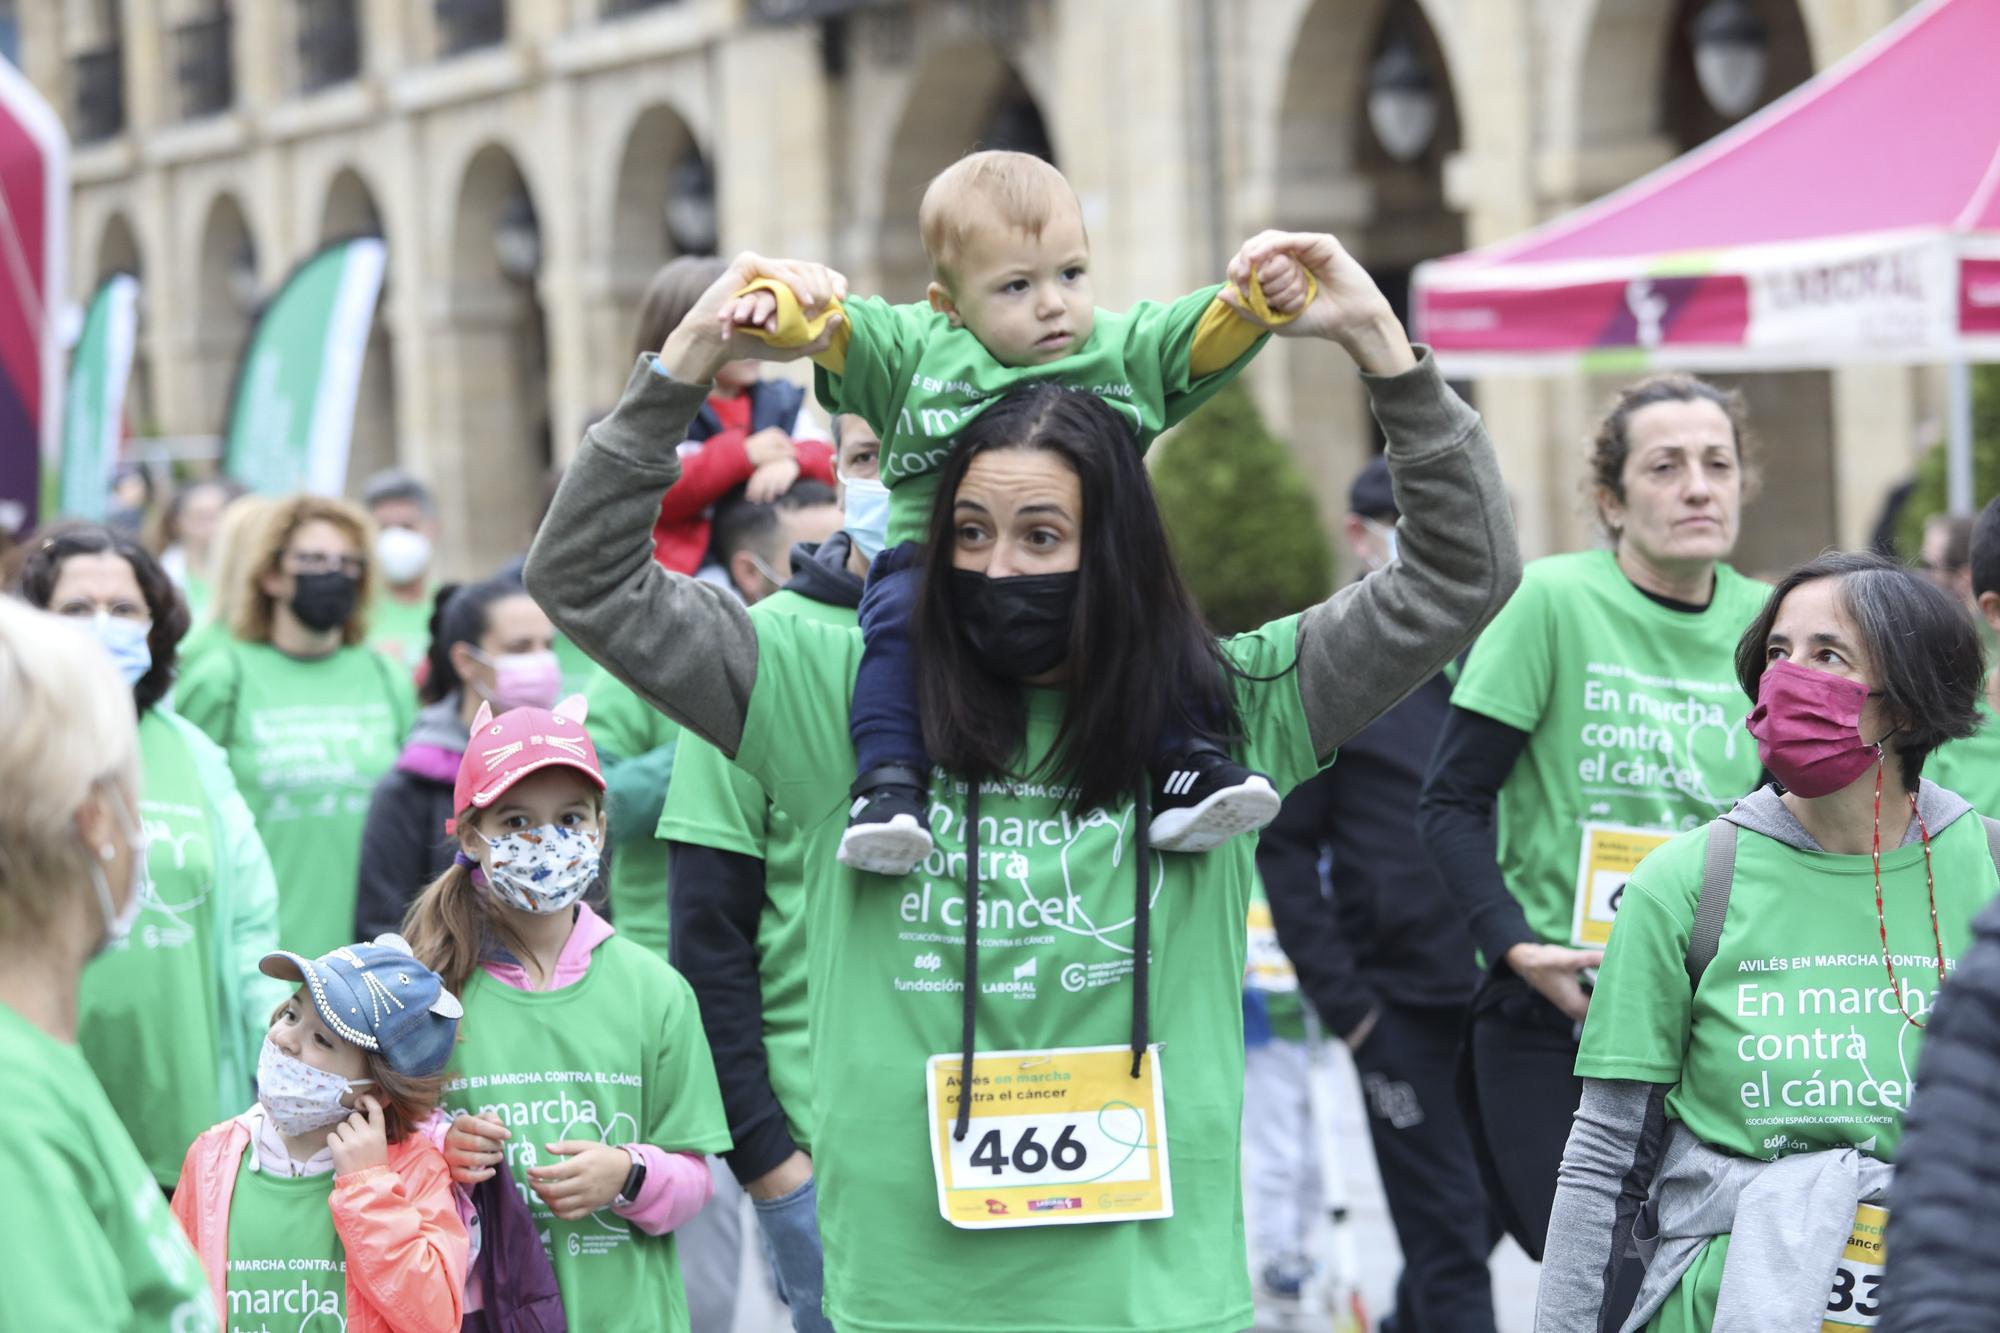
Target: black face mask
(1019, 626)
(322, 601)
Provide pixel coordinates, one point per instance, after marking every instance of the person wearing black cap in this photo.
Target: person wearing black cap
(1382, 953)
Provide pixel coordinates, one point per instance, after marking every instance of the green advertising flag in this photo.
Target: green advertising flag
(94, 401)
(291, 412)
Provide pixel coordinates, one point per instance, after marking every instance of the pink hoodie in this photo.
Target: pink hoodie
(677, 1183)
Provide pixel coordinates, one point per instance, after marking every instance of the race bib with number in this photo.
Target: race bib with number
(1610, 854)
(1057, 1137)
(1265, 966)
(1856, 1302)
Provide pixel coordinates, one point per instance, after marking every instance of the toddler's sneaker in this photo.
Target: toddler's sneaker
(887, 832)
(1204, 798)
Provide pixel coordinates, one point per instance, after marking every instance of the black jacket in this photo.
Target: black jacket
(1388, 931)
(1945, 1204)
(715, 899)
(403, 843)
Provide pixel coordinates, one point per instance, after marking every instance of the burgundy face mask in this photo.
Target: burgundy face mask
(1808, 729)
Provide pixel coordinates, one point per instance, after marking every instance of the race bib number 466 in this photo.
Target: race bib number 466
(1057, 1137)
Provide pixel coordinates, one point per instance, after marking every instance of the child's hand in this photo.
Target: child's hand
(708, 337)
(473, 1148)
(758, 310)
(1283, 281)
(771, 480)
(1349, 308)
(769, 445)
(361, 1140)
(814, 285)
(588, 1181)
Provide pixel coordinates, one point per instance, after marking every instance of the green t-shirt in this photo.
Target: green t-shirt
(307, 742)
(287, 1267)
(713, 803)
(401, 631)
(151, 1007)
(86, 1241)
(618, 1056)
(1792, 1042)
(1635, 727)
(577, 668)
(1971, 767)
(637, 745)
(918, 381)
(197, 593)
(201, 641)
(886, 994)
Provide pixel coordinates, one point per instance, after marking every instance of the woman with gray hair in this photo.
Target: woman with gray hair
(86, 1240)
(1745, 1067)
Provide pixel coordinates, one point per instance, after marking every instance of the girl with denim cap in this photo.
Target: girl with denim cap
(323, 1200)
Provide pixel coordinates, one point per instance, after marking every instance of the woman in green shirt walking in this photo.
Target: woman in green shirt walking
(171, 1017)
(311, 718)
(1041, 1025)
(86, 1241)
(1764, 997)
(1596, 717)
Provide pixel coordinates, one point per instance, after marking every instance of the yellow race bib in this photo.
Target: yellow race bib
(1611, 852)
(1058, 1137)
(1857, 1279)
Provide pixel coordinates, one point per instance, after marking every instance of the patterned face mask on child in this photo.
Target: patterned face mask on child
(299, 1098)
(544, 869)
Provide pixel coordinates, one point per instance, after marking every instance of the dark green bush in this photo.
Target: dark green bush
(1929, 496)
(1242, 520)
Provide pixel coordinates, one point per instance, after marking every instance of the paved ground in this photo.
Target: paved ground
(1379, 1260)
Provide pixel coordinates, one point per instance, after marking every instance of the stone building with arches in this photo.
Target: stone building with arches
(530, 162)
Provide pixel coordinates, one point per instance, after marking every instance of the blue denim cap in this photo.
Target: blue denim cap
(379, 997)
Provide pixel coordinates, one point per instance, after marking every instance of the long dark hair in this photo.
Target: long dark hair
(461, 613)
(1141, 661)
(1929, 666)
(164, 602)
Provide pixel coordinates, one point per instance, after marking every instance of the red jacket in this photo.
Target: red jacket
(406, 1247)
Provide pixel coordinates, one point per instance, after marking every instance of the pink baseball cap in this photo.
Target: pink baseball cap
(521, 741)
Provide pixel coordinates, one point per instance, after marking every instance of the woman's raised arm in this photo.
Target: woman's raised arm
(1457, 561)
(685, 646)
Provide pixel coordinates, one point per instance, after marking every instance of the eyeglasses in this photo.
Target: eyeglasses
(320, 562)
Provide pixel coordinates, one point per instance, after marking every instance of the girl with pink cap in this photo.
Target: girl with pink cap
(584, 1074)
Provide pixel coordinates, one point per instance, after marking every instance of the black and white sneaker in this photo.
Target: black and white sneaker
(887, 832)
(1204, 799)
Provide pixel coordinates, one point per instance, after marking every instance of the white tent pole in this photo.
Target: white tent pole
(1958, 440)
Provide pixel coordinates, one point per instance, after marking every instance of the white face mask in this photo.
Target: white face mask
(299, 1098)
(1387, 532)
(544, 869)
(402, 554)
(867, 514)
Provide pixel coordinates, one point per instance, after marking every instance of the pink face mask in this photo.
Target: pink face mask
(1808, 729)
(526, 680)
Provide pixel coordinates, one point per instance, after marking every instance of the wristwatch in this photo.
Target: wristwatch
(635, 1180)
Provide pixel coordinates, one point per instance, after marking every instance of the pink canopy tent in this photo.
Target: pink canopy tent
(1856, 219)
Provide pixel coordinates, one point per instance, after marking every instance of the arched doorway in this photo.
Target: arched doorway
(496, 364)
(966, 97)
(350, 211)
(118, 252)
(227, 293)
(1364, 129)
(663, 204)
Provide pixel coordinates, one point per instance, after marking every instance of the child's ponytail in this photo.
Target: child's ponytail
(447, 927)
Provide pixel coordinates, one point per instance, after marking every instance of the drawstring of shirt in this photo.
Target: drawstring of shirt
(1141, 945)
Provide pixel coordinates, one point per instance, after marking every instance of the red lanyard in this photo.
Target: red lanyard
(1930, 887)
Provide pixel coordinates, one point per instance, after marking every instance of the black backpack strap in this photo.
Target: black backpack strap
(1718, 876)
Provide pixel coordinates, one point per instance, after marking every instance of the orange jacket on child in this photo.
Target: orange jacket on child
(406, 1247)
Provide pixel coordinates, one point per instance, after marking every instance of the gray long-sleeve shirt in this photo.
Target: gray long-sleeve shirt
(688, 648)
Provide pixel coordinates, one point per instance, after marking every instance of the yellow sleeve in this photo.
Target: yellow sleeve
(1225, 334)
(795, 330)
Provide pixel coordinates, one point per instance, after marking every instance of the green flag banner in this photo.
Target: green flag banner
(94, 403)
(291, 413)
